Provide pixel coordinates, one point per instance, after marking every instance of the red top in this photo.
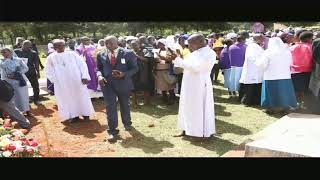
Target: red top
(301, 58)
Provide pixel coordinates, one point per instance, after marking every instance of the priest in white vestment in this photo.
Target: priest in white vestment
(69, 74)
(196, 107)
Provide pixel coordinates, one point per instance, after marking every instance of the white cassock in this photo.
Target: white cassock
(196, 108)
(66, 70)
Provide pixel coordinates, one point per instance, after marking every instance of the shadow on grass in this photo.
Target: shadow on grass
(220, 110)
(225, 127)
(215, 144)
(218, 83)
(233, 100)
(147, 144)
(87, 129)
(157, 108)
(218, 91)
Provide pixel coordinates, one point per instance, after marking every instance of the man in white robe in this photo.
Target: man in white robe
(196, 107)
(69, 74)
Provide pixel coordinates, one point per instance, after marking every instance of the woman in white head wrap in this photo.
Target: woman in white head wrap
(100, 47)
(277, 88)
(163, 79)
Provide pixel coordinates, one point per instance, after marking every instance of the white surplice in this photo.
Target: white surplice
(66, 71)
(196, 107)
(252, 74)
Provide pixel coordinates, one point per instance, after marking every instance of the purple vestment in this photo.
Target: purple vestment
(91, 63)
(224, 59)
(237, 53)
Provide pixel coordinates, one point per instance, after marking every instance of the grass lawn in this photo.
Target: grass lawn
(235, 123)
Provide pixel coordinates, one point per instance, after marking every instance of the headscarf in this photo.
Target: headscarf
(170, 43)
(276, 46)
(99, 44)
(162, 41)
(316, 50)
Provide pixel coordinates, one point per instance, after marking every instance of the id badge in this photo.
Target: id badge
(123, 61)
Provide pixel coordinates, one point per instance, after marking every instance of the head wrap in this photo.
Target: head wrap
(162, 41)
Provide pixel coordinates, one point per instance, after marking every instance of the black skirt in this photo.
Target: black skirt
(250, 94)
(301, 81)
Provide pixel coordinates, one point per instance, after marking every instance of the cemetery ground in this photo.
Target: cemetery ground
(154, 127)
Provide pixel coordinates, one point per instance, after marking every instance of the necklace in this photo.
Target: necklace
(63, 61)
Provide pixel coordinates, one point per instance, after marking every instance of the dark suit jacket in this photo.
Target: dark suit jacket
(126, 62)
(33, 59)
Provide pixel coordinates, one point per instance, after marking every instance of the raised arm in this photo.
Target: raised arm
(196, 65)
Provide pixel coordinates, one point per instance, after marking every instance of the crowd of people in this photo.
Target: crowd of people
(269, 69)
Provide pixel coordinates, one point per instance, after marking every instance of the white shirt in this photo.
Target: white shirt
(251, 74)
(115, 53)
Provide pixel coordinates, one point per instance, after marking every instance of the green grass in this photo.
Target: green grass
(235, 123)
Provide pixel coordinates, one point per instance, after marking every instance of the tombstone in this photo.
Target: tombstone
(294, 135)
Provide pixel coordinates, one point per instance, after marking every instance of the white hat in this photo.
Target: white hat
(129, 38)
(56, 41)
(231, 35)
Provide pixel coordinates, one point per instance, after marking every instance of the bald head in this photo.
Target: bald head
(196, 41)
(111, 42)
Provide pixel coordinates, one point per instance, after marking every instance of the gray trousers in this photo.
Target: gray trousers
(15, 114)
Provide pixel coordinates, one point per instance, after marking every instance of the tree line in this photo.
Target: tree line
(43, 31)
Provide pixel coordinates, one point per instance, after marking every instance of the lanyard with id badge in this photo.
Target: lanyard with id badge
(123, 61)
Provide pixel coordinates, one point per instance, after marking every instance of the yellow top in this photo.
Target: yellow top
(185, 52)
(218, 43)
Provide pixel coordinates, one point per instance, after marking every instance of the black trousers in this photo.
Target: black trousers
(250, 94)
(32, 76)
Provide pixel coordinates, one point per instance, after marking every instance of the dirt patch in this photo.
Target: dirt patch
(81, 139)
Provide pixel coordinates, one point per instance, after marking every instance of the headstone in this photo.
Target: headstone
(295, 135)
